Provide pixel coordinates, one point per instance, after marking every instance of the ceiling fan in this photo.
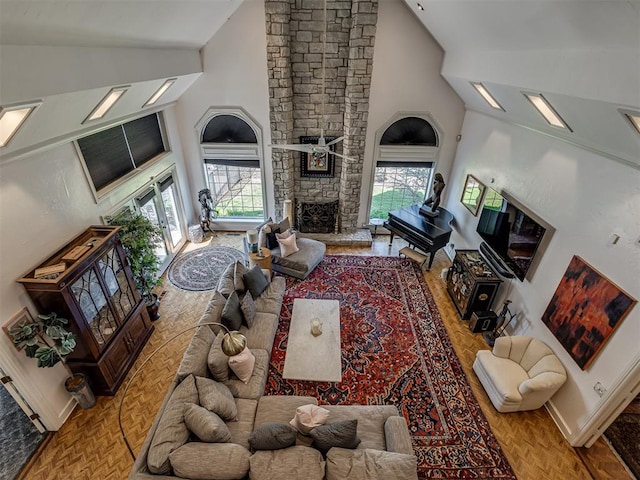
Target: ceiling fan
(322, 148)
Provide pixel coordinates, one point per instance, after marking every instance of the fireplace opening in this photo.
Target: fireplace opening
(314, 217)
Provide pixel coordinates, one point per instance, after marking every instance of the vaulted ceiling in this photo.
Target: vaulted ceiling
(583, 55)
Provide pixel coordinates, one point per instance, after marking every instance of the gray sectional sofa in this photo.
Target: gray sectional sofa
(170, 451)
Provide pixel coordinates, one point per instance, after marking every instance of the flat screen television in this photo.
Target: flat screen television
(513, 234)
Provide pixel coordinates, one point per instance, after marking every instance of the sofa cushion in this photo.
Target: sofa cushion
(262, 332)
(226, 284)
(255, 387)
(273, 436)
(242, 365)
(217, 361)
(210, 461)
(368, 464)
(171, 432)
(255, 281)
(270, 301)
(248, 308)
(194, 360)
(205, 425)
(242, 426)
(238, 270)
(216, 397)
(309, 416)
(371, 421)
(289, 463)
(339, 434)
(279, 408)
(213, 312)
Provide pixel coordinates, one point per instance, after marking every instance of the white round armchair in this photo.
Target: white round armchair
(521, 373)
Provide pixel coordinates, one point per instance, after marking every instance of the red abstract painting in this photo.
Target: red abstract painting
(585, 310)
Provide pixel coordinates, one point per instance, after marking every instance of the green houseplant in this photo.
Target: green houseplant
(139, 236)
(48, 341)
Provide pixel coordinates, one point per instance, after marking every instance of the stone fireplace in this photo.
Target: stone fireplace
(294, 59)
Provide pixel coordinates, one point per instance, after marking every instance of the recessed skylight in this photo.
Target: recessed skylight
(12, 118)
(633, 118)
(546, 110)
(163, 88)
(487, 96)
(106, 103)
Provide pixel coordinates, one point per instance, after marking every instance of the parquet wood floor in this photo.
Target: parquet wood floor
(89, 445)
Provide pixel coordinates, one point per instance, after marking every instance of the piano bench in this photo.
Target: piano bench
(414, 255)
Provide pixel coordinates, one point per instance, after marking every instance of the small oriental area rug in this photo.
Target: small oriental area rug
(395, 351)
(200, 270)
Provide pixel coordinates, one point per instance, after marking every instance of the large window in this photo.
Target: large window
(236, 188)
(231, 155)
(397, 185)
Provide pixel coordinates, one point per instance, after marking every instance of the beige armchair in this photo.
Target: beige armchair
(521, 373)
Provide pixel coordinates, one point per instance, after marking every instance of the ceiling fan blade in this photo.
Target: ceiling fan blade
(342, 156)
(337, 140)
(296, 147)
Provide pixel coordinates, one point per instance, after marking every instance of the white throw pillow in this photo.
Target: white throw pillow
(286, 234)
(288, 246)
(308, 417)
(242, 364)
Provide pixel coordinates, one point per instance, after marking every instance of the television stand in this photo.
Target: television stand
(495, 262)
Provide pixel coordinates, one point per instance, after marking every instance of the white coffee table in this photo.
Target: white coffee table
(317, 359)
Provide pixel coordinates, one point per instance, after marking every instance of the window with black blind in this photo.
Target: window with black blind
(113, 153)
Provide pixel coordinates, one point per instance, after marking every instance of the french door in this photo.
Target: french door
(161, 205)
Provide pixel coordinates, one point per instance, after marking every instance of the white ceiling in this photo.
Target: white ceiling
(584, 55)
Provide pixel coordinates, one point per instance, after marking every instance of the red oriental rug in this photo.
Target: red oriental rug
(396, 351)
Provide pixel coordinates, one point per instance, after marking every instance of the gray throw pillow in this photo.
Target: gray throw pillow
(283, 225)
(339, 434)
(273, 436)
(255, 281)
(248, 307)
(217, 398)
(231, 313)
(205, 425)
(218, 362)
(238, 270)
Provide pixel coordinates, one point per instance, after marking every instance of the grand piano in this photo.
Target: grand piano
(421, 230)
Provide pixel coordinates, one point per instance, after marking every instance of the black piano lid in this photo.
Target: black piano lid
(432, 226)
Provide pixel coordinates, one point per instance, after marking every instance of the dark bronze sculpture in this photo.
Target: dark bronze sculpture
(207, 212)
(438, 187)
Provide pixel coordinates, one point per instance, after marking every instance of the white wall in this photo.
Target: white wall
(235, 75)
(45, 200)
(406, 78)
(586, 198)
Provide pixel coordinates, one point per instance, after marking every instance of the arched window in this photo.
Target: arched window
(404, 164)
(230, 150)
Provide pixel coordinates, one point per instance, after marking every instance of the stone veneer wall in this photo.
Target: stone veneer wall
(294, 58)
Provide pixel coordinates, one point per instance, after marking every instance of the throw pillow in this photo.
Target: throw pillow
(217, 360)
(262, 233)
(194, 360)
(217, 398)
(205, 425)
(272, 436)
(339, 434)
(283, 224)
(238, 270)
(231, 313)
(272, 241)
(242, 365)
(308, 417)
(248, 308)
(255, 281)
(213, 311)
(286, 234)
(288, 246)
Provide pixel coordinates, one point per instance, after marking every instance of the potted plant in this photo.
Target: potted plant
(139, 236)
(47, 340)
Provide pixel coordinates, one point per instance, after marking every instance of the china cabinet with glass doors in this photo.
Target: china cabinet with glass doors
(89, 282)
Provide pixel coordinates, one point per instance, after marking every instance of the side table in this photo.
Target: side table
(376, 222)
(262, 259)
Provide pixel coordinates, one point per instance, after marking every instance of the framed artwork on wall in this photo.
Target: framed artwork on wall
(472, 194)
(23, 316)
(317, 164)
(585, 310)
